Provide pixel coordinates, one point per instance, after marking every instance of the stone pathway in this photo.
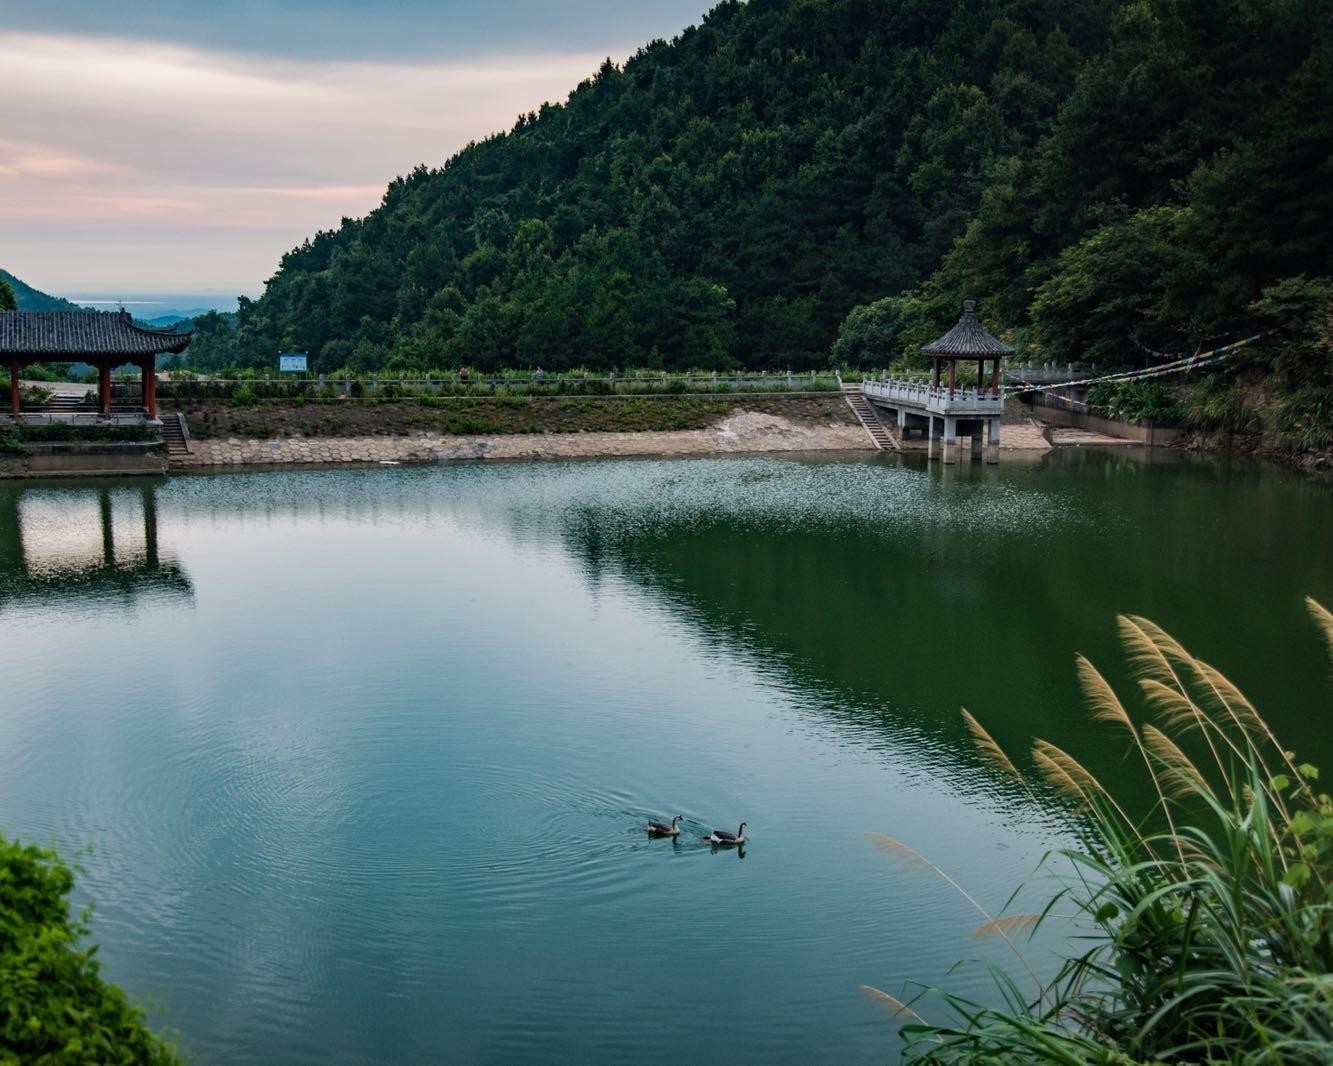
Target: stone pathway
(1023, 436)
(1068, 437)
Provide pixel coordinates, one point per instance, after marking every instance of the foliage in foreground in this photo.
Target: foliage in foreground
(55, 1006)
(1207, 920)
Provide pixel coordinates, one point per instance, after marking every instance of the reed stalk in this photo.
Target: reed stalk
(1207, 940)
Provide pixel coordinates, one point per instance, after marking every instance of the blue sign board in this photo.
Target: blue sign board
(292, 362)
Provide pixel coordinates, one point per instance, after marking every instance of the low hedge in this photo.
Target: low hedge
(14, 440)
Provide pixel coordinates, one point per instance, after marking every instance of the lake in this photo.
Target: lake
(361, 756)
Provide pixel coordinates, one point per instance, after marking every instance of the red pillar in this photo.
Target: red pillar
(150, 388)
(14, 388)
(104, 388)
(935, 373)
(953, 375)
(995, 379)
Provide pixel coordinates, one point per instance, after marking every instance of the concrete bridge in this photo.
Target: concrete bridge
(946, 408)
(942, 414)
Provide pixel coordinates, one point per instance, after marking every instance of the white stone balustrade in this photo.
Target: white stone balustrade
(936, 399)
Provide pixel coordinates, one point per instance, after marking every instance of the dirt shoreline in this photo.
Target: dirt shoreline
(740, 432)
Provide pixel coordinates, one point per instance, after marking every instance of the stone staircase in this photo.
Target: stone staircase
(885, 438)
(65, 402)
(174, 434)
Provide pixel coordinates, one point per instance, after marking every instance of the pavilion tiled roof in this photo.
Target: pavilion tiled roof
(79, 334)
(968, 338)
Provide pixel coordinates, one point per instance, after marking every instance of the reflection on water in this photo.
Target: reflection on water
(383, 777)
(932, 593)
(84, 545)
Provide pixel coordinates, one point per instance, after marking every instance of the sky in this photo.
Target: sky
(183, 146)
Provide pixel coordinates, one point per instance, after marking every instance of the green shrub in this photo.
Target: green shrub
(1207, 920)
(1137, 401)
(46, 371)
(18, 437)
(55, 1006)
(245, 396)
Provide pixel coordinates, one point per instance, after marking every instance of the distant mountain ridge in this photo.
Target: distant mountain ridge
(30, 299)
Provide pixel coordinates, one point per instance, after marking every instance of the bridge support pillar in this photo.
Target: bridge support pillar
(992, 440)
(950, 440)
(976, 441)
(932, 438)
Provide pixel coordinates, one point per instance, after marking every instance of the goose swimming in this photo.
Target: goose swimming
(661, 829)
(721, 836)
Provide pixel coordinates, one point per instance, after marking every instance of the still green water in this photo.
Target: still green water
(362, 755)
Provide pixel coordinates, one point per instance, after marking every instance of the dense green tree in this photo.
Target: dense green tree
(1107, 178)
(1126, 287)
(213, 342)
(55, 1005)
(7, 300)
(889, 331)
(722, 199)
(1190, 168)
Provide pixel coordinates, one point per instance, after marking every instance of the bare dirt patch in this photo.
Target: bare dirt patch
(738, 430)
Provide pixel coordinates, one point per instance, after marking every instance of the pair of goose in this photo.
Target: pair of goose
(717, 836)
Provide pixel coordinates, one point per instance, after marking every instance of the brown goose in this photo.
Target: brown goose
(720, 836)
(661, 829)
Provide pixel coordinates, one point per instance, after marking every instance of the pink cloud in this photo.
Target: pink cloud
(117, 147)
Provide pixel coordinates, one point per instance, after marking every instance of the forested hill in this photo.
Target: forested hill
(1105, 177)
(30, 299)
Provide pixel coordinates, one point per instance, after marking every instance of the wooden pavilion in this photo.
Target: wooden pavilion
(104, 339)
(968, 340)
(947, 412)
